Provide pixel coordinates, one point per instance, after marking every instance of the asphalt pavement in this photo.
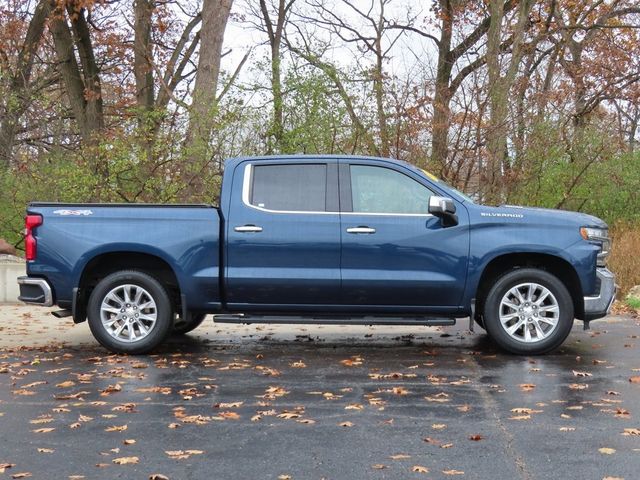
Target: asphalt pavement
(317, 402)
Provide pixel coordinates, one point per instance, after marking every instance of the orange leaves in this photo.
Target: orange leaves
(354, 361)
(111, 389)
(527, 387)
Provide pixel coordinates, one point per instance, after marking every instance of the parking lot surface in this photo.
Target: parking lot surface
(317, 402)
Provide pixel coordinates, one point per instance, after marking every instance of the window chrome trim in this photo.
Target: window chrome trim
(246, 188)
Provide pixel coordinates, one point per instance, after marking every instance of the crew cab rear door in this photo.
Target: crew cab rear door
(283, 235)
(394, 253)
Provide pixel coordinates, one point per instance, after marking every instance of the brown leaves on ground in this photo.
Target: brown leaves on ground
(182, 454)
(111, 389)
(21, 475)
(453, 472)
(581, 374)
(158, 476)
(116, 428)
(419, 469)
(635, 379)
(607, 451)
(631, 432)
(476, 438)
(527, 387)
(43, 430)
(126, 460)
(354, 361)
(5, 466)
(399, 456)
(346, 424)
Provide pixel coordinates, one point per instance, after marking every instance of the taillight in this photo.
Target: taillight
(30, 222)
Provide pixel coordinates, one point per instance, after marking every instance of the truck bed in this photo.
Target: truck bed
(76, 236)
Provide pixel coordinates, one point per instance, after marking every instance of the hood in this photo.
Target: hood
(578, 218)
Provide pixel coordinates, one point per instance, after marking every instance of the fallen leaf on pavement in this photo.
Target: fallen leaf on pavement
(453, 472)
(116, 428)
(607, 451)
(419, 469)
(125, 460)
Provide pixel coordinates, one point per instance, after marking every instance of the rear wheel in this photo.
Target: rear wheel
(129, 312)
(528, 311)
(193, 321)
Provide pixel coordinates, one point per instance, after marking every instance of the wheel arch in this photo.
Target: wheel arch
(553, 264)
(105, 263)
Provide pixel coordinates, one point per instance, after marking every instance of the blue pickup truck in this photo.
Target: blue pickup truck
(319, 239)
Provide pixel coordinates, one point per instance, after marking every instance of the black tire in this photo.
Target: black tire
(194, 320)
(164, 313)
(504, 284)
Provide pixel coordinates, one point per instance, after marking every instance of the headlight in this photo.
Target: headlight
(601, 237)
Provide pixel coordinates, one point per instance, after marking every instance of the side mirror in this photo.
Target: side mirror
(444, 208)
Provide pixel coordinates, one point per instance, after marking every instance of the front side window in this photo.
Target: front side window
(298, 188)
(382, 190)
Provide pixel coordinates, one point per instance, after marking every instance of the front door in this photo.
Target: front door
(394, 253)
(283, 238)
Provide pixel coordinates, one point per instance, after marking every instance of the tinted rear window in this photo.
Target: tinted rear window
(300, 188)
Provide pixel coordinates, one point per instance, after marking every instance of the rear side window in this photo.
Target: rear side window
(298, 188)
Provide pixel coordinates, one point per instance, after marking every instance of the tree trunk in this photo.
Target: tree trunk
(90, 70)
(442, 98)
(142, 55)
(275, 42)
(499, 88)
(85, 96)
(17, 104)
(215, 14)
(378, 84)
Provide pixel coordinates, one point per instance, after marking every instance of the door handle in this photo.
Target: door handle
(366, 230)
(248, 229)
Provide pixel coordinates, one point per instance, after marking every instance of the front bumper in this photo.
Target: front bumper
(600, 305)
(35, 291)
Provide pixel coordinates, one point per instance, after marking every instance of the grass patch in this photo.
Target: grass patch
(634, 303)
(625, 256)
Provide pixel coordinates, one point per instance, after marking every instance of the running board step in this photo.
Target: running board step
(334, 320)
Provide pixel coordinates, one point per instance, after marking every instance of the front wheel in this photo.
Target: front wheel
(528, 311)
(129, 312)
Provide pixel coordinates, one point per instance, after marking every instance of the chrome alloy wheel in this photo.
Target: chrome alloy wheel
(529, 312)
(128, 313)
